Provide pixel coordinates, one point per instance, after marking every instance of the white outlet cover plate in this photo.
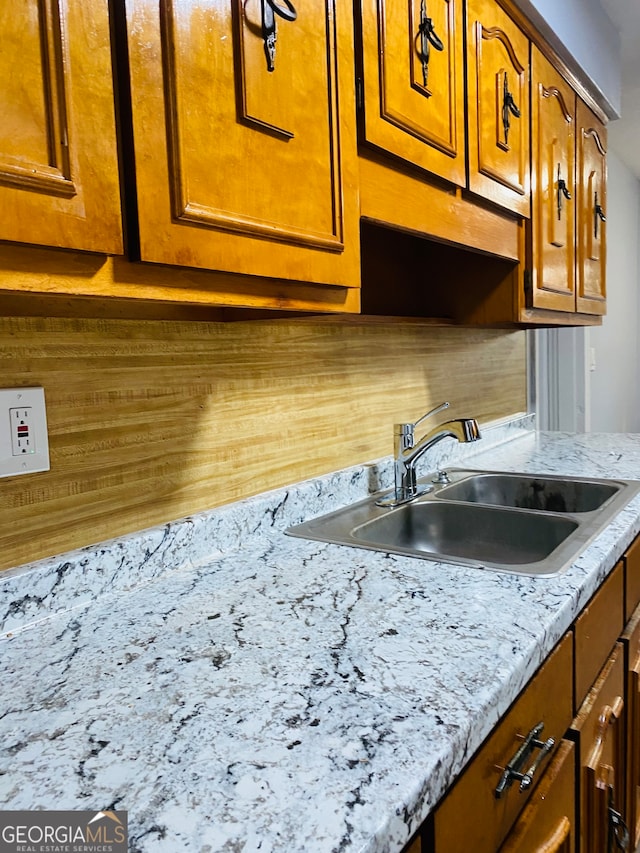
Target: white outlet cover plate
(33, 398)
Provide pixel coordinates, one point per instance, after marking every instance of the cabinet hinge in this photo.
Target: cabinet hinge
(359, 93)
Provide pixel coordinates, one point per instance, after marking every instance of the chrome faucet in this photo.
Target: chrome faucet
(407, 453)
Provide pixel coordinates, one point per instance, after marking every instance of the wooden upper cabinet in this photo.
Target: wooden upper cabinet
(244, 136)
(591, 211)
(553, 216)
(498, 107)
(59, 181)
(412, 81)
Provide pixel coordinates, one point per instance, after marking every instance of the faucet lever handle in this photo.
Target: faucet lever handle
(432, 412)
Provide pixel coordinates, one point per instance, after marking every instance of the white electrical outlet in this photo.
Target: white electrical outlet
(22, 438)
(24, 443)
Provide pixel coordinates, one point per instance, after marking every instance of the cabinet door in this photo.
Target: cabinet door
(595, 633)
(59, 182)
(413, 82)
(632, 639)
(590, 212)
(553, 218)
(599, 726)
(631, 579)
(483, 805)
(498, 107)
(243, 161)
(547, 825)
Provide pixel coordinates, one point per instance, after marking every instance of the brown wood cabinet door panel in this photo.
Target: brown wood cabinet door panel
(596, 630)
(547, 825)
(591, 212)
(553, 217)
(471, 811)
(633, 752)
(59, 182)
(632, 579)
(498, 107)
(631, 639)
(34, 107)
(599, 725)
(242, 162)
(414, 92)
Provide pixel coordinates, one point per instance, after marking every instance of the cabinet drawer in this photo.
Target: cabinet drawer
(548, 822)
(596, 630)
(471, 810)
(632, 579)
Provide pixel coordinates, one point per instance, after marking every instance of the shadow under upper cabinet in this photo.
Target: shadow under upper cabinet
(407, 275)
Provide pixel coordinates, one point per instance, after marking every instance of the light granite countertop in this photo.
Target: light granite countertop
(234, 688)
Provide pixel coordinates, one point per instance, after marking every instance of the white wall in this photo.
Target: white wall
(615, 383)
(583, 29)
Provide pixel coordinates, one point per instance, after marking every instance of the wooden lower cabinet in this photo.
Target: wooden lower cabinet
(599, 732)
(631, 580)
(586, 799)
(480, 810)
(548, 823)
(631, 641)
(595, 633)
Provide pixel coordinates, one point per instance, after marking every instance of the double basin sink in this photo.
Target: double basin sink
(531, 525)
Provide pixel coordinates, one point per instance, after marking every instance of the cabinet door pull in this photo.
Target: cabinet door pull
(618, 831)
(513, 771)
(509, 108)
(598, 214)
(562, 190)
(426, 37)
(269, 11)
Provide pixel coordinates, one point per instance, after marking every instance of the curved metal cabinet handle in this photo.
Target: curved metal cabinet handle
(513, 771)
(598, 214)
(509, 108)
(426, 38)
(269, 11)
(619, 835)
(562, 190)
(618, 831)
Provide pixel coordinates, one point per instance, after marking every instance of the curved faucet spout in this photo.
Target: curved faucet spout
(463, 429)
(407, 454)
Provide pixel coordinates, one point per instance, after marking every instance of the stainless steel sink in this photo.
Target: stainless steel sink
(488, 534)
(533, 525)
(539, 493)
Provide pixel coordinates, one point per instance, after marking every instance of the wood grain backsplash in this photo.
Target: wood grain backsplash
(152, 420)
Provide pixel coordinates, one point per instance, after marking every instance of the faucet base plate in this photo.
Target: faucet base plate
(392, 500)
